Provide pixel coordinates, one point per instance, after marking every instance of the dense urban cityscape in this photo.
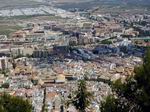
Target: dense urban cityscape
(49, 53)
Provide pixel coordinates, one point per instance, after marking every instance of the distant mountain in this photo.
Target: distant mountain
(94, 3)
(140, 2)
(70, 3)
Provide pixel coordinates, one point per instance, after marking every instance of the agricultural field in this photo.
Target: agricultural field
(7, 27)
(7, 30)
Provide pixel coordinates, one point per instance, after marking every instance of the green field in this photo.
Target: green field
(7, 30)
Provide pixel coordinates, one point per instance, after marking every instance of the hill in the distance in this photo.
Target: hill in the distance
(18, 3)
(70, 3)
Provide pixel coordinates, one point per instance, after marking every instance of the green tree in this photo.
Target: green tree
(5, 85)
(14, 104)
(143, 83)
(134, 94)
(106, 41)
(81, 98)
(109, 105)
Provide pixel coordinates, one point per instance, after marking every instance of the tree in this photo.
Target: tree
(106, 41)
(123, 99)
(82, 98)
(5, 85)
(143, 83)
(109, 105)
(134, 94)
(14, 104)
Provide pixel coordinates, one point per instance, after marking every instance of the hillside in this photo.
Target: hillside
(5, 4)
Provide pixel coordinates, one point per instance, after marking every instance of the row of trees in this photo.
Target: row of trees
(133, 95)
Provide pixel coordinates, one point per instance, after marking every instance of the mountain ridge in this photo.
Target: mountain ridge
(4, 4)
